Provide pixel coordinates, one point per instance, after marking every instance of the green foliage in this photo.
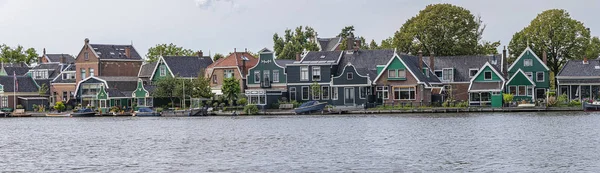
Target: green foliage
(222, 105)
(551, 93)
(242, 101)
(231, 88)
(159, 109)
(167, 50)
(43, 89)
(251, 110)
(215, 104)
(17, 54)
(115, 109)
(443, 29)
(373, 45)
(562, 99)
(59, 106)
(218, 56)
(508, 98)
(19, 106)
(165, 88)
(35, 107)
(294, 42)
(555, 32)
(574, 103)
(315, 89)
(552, 101)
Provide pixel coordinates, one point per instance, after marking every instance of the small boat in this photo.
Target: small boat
(122, 114)
(145, 112)
(526, 105)
(84, 113)
(199, 111)
(309, 107)
(594, 106)
(57, 114)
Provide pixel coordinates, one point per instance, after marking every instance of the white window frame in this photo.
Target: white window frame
(484, 75)
(334, 93)
(537, 78)
(516, 89)
(400, 71)
(426, 71)
(471, 75)
(293, 90)
(451, 75)
(529, 91)
(316, 96)
(323, 90)
(519, 89)
(91, 71)
(228, 73)
(528, 62)
(83, 73)
(266, 75)
(275, 76)
(303, 73)
(163, 71)
(4, 101)
(257, 76)
(385, 92)
(349, 76)
(307, 92)
(405, 89)
(394, 72)
(360, 92)
(316, 73)
(529, 75)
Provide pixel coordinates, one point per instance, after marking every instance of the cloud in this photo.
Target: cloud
(206, 4)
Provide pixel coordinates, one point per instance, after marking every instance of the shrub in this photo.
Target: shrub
(222, 105)
(551, 93)
(446, 104)
(19, 106)
(35, 107)
(242, 101)
(552, 101)
(159, 109)
(575, 103)
(251, 109)
(295, 103)
(562, 99)
(508, 98)
(59, 106)
(114, 109)
(216, 104)
(462, 104)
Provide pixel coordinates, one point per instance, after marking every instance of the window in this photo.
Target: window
(363, 92)
(539, 77)
(292, 94)
(334, 93)
(404, 93)
(529, 90)
(305, 94)
(4, 101)
(82, 73)
(512, 90)
(91, 72)
(486, 96)
(473, 72)
(257, 76)
(304, 73)
(214, 79)
(529, 75)
(425, 69)
(228, 74)
(316, 73)
(349, 76)
(392, 73)
(257, 99)
(401, 73)
(64, 96)
(86, 56)
(316, 96)
(325, 93)
(528, 62)
(163, 71)
(487, 75)
(275, 75)
(522, 90)
(438, 73)
(448, 74)
(266, 78)
(382, 92)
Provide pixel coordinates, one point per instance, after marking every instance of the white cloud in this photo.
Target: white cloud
(206, 4)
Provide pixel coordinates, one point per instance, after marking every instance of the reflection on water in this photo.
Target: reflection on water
(511, 142)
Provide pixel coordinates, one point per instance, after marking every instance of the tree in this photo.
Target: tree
(167, 50)
(231, 88)
(294, 42)
(373, 45)
(218, 56)
(315, 89)
(443, 29)
(165, 88)
(346, 32)
(43, 89)
(200, 87)
(59, 106)
(560, 36)
(17, 55)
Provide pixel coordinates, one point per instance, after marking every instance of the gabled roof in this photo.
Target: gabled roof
(534, 55)
(56, 58)
(187, 66)
(320, 57)
(366, 61)
(19, 71)
(329, 44)
(120, 83)
(576, 68)
(462, 64)
(236, 60)
(147, 69)
(412, 64)
(488, 85)
(26, 84)
(520, 72)
(54, 69)
(114, 52)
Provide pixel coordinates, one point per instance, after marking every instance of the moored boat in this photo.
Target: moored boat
(594, 106)
(20, 113)
(84, 113)
(309, 107)
(57, 114)
(145, 112)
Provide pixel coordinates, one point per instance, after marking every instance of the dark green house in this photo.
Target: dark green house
(535, 70)
(486, 87)
(267, 80)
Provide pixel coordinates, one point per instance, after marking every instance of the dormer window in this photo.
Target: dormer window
(448, 74)
(528, 62)
(473, 72)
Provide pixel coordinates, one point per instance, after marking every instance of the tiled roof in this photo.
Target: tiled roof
(366, 61)
(147, 69)
(187, 66)
(19, 71)
(412, 62)
(236, 59)
(113, 92)
(579, 81)
(283, 62)
(56, 58)
(462, 64)
(26, 84)
(329, 44)
(122, 83)
(54, 69)
(321, 57)
(20, 64)
(44, 81)
(107, 51)
(577, 68)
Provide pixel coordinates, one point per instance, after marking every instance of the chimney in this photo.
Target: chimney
(62, 59)
(87, 41)
(432, 61)
(200, 54)
(298, 57)
(349, 43)
(128, 51)
(420, 60)
(545, 57)
(504, 62)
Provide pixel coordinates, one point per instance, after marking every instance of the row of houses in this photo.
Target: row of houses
(106, 75)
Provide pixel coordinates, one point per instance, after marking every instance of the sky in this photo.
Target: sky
(219, 26)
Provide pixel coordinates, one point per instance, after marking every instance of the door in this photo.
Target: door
(540, 93)
(349, 96)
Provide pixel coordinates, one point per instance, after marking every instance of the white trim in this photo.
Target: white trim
(353, 95)
(88, 78)
(470, 69)
(161, 59)
(133, 93)
(328, 92)
(390, 61)
(302, 92)
(321, 83)
(519, 71)
(355, 71)
(487, 64)
(290, 94)
(313, 72)
(534, 55)
(484, 75)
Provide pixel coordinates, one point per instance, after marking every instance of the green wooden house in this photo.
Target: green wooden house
(535, 70)
(267, 80)
(485, 88)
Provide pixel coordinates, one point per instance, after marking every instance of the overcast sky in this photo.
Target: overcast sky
(219, 26)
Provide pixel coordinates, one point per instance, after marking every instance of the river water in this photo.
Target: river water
(523, 142)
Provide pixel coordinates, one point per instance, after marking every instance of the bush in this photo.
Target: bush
(562, 99)
(209, 103)
(552, 94)
(463, 104)
(222, 105)
(250, 109)
(552, 101)
(19, 106)
(35, 107)
(59, 106)
(242, 101)
(216, 104)
(159, 109)
(508, 98)
(114, 109)
(575, 103)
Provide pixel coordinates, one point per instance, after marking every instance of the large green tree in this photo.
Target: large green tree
(294, 42)
(443, 29)
(560, 36)
(17, 54)
(167, 50)
(231, 88)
